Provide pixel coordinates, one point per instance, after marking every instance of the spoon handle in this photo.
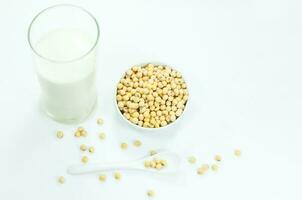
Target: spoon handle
(93, 168)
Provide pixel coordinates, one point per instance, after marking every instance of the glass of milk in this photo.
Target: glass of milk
(63, 39)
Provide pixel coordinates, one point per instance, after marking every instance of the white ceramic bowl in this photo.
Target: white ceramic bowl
(143, 128)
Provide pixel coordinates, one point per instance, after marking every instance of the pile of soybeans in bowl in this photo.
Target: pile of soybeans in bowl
(151, 96)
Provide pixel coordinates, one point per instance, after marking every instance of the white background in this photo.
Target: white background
(242, 62)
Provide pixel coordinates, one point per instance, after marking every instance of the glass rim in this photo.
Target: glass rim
(62, 61)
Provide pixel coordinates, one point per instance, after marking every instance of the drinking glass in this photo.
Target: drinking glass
(63, 39)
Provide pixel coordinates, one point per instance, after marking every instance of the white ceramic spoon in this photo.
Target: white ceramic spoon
(173, 163)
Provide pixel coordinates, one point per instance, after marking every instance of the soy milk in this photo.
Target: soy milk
(67, 75)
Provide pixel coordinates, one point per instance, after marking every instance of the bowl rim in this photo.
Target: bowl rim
(144, 128)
